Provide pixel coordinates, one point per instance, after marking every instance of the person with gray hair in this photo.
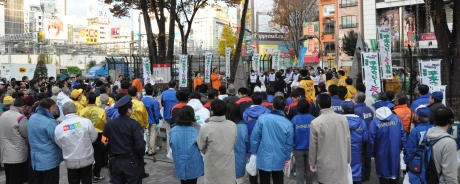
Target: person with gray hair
(75, 135)
(104, 101)
(61, 99)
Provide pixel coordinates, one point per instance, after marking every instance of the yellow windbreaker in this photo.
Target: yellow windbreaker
(98, 101)
(140, 113)
(96, 115)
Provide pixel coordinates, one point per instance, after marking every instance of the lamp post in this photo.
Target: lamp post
(307, 37)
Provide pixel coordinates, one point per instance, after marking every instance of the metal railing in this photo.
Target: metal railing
(348, 4)
(346, 26)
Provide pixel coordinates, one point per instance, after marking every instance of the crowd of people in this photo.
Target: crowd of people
(316, 120)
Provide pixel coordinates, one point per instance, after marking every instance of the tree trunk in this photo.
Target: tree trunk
(148, 30)
(236, 58)
(161, 33)
(172, 20)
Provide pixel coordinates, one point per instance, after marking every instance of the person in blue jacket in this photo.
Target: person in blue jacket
(361, 109)
(187, 158)
(46, 155)
(336, 102)
(359, 136)
(383, 97)
(423, 97)
(153, 110)
(272, 140)
(301, 123)
(168, 100)
(422, 117)
(242, 139)
(386, 140)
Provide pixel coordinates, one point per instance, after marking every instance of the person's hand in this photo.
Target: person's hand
(287, 163)
(312, 168)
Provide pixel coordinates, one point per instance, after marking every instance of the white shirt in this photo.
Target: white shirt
(221, 97)
(296, 77)
(253, 78)
(289, 76)
(262, 78)
(117, 83)
(271, 78)
(315, 79)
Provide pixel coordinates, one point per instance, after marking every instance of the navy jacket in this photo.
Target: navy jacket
(168, 100)
(421, 100)
(364, 112)
(414, 138)
(301, 123)
(244, 103)
(336, 104)
(358, 135)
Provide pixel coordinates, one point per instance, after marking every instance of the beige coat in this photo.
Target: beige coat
(216, 141)
(330, 147)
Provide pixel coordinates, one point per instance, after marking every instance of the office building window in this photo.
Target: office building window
(349, 22)
(348, 3)
(328, 9)
(329, 47)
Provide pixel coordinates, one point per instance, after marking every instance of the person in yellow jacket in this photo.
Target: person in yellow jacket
(342, 78)
(83, 100)
(139, 110)
(98, 117)
(393, 84)
(104, 90)
(307, 84)
(329, 80)
(351, 90)
(76, 96)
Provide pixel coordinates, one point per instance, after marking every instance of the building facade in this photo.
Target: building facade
(349, 19)
(328, 34)
(14, 17)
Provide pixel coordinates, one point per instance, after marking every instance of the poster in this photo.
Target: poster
(371, 74)
(147, 74)
(391, 18)
(161, 73)
(266, 50)
(55, 29)
(183, 71)
(91, 35)
(228, 51)
(384, 36)
(409, 29)
(276, 60)
(207, 67)
(442, 89)
(430, 72)
(256, 63)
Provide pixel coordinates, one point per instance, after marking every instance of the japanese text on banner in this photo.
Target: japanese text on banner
(183, 71)
(384, 35)
(276, 60)
(372, 75)
(227, 61)
(256, 63)
(147, 73)
(207, 67)
(431, 72)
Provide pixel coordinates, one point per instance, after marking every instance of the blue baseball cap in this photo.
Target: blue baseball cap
(379, 104)
(123, 101)
(437, 95)
(423, 111)
(348, 105)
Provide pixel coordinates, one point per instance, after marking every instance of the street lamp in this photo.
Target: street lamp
(307, 37)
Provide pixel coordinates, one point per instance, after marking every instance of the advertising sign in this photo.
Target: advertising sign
(115, 31)
(55, 29)
(228, 51)
(384, 36)
(267, 49)
(207, 67)
(371, 74)
(91, 35)
(311, 45)
(98, 8)
(183, 71)
(256, 63)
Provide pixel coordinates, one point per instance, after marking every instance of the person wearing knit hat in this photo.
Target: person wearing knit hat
(231, 92)
(76, 96)
(422, 117)
(55, 90)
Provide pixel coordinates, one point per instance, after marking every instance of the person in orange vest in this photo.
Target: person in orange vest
(197, 81)
(216, 79)
(138, 83)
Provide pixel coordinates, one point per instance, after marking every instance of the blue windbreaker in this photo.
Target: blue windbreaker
(336, 104)
(272, 141)
(364, 112)
(270, 98)
(387, 138)
(111, 113)
(301, 123)
(188, 161)
(168, 100)
(153, 109)
(389, 104)
(358, 134)
(414, 138)
(421, 100)
(240, 149)
(251, 115)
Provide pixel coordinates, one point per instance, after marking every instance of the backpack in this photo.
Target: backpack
(421, 166)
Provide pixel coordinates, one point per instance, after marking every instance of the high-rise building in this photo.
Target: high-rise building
(33, 19)
(14, 17)
(349, 18)
(208, 25)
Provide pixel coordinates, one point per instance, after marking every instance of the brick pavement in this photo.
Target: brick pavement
(162, 172)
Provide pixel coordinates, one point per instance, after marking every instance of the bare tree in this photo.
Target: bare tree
(186, 11)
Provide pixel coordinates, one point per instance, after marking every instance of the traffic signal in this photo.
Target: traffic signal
(41, 36)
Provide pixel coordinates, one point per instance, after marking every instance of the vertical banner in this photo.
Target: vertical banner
(147, 73)
(227, 61)
(431, 73)
(256, 63)
(385, 51)
(207, 67)
(276, 60)
(371, 74)
(183, 71)
(302, 51)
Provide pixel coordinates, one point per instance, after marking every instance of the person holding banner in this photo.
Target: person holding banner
(197, 81)
(216, 79)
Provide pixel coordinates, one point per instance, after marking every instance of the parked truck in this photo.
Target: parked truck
(103, 70)
(17, 71)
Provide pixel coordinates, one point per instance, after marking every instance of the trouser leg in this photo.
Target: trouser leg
(264, 177)
(300, 167)
(51, 176)
(125, 172)
(168, 128)
(98, 156)
(278, 177)
(14, 173)
(152, 138)
(253, 179)
(86, 174)
(309, 174)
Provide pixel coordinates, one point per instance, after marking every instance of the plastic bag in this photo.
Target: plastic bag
(251, 167)
(350, 175)
(402, 164)
(169, 155)
(406, 179)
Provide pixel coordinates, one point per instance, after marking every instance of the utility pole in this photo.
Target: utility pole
(140, 37)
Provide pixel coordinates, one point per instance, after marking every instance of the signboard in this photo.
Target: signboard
(276, 60)
(115, 31)
(207, 67)
(430, 72)
(147, 74)
(256, 63)
(409, 28)
(384, 39)
(55, 29)
(271, 36)
(228, 51)
(427, 36)
(183, 71)
(371, 74)
(161, 73)
(92, 36)
(99, 20)
(267, 49)
(98, 8)
(312, 45)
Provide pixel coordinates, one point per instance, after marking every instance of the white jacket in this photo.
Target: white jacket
(201, 113)
(75, 136)
(61, 100)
